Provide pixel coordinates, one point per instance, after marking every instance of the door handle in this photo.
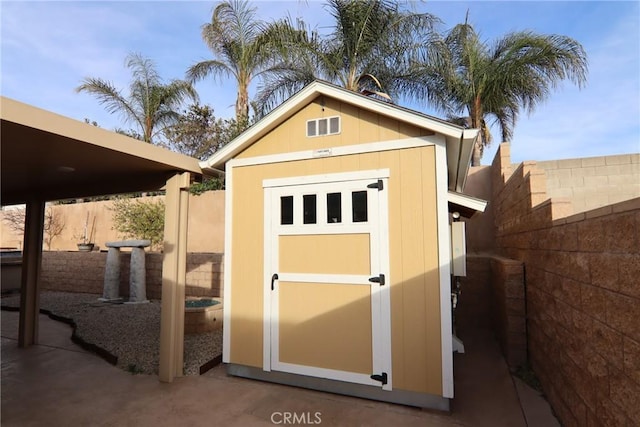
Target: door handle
(273, 279)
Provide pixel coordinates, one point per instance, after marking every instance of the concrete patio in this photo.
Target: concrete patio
(56, 383)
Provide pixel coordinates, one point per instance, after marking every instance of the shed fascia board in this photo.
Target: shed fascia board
(473, 203)
(47, 121)
(310, 92)
(467, 142)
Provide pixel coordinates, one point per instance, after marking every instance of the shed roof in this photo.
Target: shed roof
(465, 205)
(459, 141)
(51, 157)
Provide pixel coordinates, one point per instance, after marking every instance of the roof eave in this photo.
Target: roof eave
(466, 205)
(306, 95)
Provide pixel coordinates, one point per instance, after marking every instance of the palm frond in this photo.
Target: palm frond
(495, 82)
(213, 68)
(151, 105)
(110, 97)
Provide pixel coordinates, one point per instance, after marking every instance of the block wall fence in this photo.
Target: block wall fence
(582, 289)
(84, 272)
(594, 181)
(205, 228)
(493, 298)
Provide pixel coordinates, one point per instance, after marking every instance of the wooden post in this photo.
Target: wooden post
(174, 268)
(31, 267)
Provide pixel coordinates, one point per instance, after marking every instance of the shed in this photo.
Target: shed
(337, 246)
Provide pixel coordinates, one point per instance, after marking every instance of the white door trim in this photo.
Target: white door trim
(332, 374)
(381, 318)
(344, 279)
(326, 178)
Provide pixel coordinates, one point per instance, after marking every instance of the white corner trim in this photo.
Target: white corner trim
(228, 222)
(346, 150)
(444, 260)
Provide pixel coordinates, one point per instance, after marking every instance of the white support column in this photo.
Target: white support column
(174, 267)
(31, 267)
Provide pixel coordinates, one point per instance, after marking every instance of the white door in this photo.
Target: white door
(327, 279)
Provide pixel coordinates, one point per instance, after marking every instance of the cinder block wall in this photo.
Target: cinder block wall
(582, 291)
(205, 228)
(593, 182)
(84, 272)
(508, 309)
(492, 297)
(474, 305)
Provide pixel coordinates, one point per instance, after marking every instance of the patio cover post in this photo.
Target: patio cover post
(31, 267)
(174, 274)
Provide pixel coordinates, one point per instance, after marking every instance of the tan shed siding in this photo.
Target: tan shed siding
(358, 126)
(246, 269)
(415, 311)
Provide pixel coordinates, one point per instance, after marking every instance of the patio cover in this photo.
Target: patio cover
(45, 157)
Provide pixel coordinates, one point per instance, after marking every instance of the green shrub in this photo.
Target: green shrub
(140, 219)
(208, 184)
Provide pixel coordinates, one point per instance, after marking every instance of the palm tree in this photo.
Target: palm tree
(242, 48)
(371, 44)
(517, 72)
(151, 105)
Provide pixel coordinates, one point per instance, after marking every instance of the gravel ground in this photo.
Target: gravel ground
(131, 332)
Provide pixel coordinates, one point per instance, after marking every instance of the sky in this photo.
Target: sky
(47, 48)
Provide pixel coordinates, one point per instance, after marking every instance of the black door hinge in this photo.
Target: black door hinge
(377, 279)
(377, 185)
(382, 378)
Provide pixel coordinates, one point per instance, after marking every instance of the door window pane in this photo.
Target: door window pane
(309, 205)
(359, 206)
(286, 210)
(334, 208)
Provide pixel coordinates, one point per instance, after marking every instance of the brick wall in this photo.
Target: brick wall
(582, 292)
(594, 181)
(84, 272)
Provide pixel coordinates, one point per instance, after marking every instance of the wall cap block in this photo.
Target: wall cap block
(627, 205)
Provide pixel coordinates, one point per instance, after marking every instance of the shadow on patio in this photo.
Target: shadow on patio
(57, 383)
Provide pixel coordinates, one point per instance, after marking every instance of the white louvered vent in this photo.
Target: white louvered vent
(324, 126)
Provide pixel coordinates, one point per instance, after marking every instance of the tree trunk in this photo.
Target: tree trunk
(475, 116)
(477, 153)
(242, 103)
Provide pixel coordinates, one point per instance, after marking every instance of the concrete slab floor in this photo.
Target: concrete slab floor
(58, 384)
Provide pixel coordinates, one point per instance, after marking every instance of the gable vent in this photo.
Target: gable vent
(324, 126)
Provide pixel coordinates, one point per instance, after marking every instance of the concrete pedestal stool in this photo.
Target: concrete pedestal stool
(137, 273)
